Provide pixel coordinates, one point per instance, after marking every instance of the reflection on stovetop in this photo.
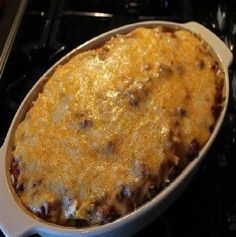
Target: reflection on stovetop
(52, 28)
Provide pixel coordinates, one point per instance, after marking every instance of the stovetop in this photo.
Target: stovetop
(50, 29)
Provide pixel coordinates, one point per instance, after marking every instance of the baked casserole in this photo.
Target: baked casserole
(114, 125)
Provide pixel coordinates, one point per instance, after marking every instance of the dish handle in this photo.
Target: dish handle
(13, 221)
(218, 45)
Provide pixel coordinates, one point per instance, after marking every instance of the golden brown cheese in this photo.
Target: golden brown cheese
(111, 125)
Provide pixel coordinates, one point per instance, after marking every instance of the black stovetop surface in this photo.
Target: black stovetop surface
(50, 29)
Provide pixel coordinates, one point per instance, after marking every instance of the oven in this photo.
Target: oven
(35, 34)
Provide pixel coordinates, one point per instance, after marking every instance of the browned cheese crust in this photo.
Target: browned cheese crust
(113, 125)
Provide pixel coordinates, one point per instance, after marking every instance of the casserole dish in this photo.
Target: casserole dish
(132, 222)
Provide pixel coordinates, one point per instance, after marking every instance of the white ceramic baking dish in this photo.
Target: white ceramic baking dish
(16, 221)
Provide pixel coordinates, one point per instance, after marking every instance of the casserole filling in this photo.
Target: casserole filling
(115, 125)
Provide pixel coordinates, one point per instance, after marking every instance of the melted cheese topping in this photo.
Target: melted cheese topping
(111, 118)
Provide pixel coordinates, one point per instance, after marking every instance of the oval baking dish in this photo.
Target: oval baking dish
(15, 220)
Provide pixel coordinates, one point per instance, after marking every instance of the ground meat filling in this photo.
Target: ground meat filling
(115, 125)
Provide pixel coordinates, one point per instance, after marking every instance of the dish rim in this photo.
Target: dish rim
(222, 53)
